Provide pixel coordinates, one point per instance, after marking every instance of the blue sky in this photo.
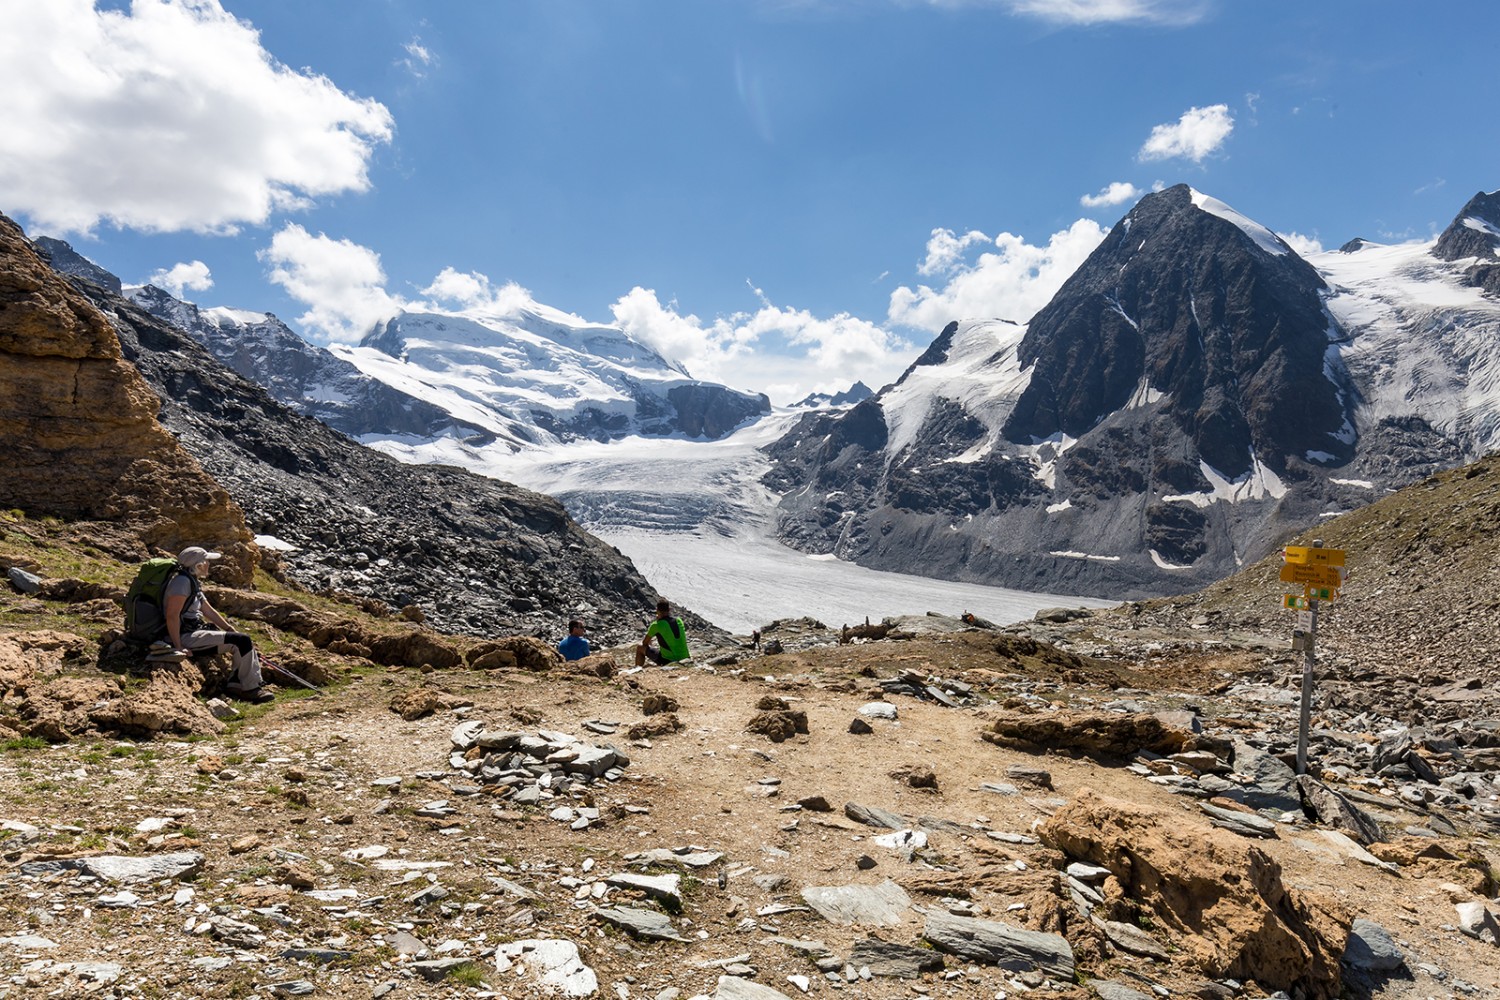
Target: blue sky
(783, 194)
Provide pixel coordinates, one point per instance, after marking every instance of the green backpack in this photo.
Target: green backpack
(145, 620)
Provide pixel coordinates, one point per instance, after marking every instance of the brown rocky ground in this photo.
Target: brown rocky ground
(281, 802)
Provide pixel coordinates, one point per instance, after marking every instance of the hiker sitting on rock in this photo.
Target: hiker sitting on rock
(188, 614)
(669, 634)
(575, 646)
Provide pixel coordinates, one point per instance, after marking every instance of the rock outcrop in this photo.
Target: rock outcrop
(1223, 903)
(79, 424)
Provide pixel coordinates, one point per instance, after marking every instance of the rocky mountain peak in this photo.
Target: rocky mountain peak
(1474, 232)
(1188, 299)
(80, 428)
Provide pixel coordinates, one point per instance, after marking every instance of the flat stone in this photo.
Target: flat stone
(1087, 873)
(735, 988)
(879, 710)
(1117, 991)
(666, 889)
(873, 816)
(1129, 937)
(899, 961)
(687, 856)
(120, 868)
(1244, 824)
(1371, 948)
(552, 964)
(593, 761)
(646, 924)
(28, 942)
(404, 943)
(293, 988)
(882, 905)
(993, 943)
(999, 788)
(1028, 775)
(466, 735)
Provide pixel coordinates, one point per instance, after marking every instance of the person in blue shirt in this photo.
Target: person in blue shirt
(575, 646)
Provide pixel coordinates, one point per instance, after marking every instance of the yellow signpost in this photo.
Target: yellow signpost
(1307, 555)
(1313, 575)
(1321, 573)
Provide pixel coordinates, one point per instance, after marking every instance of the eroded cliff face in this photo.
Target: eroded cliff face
(79, 430)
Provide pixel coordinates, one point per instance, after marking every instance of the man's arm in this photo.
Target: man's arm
(213, 617)
(172, 610)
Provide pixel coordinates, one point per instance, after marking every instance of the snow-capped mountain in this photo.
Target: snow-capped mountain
(264, 350)
(535, 375)
(306, 377)
(526, 376)
(1195, 392)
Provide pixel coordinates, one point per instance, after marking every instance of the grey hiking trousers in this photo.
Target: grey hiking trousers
(246, 659)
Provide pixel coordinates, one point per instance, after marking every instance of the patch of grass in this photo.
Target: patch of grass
(24, 743)
(469, 974)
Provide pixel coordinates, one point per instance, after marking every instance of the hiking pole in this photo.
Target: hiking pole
(284, 672)
(280, 671)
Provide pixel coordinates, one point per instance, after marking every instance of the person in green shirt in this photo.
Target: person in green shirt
(669, 634)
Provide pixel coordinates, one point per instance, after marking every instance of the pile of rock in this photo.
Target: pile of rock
(535, 767)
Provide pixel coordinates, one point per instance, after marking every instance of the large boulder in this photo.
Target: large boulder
(79, 429)
(1223, 903)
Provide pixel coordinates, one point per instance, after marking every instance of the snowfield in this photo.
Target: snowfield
(694, 518)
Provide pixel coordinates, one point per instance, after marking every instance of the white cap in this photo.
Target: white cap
(195, 554)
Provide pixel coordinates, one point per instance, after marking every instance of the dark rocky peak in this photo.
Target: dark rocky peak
(1189, 299)
(856, 393)
(65, 260)
(1474, 232)
(1355, 245)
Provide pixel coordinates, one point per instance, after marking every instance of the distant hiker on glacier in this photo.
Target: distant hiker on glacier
(575, 646)
(188, 616)
(670, 635)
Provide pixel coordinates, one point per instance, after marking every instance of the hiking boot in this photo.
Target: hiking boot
(256, 696)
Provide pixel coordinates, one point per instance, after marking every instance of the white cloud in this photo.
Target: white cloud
(418, 57)
(1197, 134)
(168, 117)
(472, 291)
(945, 249)
(183, 277)
(341, 282)
(778, 350)
(1011, 282)
(1304, 245)
(1173, 12)
(1118, 193)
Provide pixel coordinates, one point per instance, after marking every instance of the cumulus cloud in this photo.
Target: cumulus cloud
(192, 276)
(1196, 135)
(341, 282)
(470, 291)
(783, 351)
(169, 116)
(945, 249)
(1171, 12)
(1304, 245)
(1118, 193)
(1010, 281)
